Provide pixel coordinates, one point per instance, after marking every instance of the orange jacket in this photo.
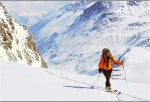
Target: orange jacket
(103, 64)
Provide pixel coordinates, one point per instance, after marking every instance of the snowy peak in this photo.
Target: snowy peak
(16, 42)
(75, 35)
(75, 6)
(100, 6)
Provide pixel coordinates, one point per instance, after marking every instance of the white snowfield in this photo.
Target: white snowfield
(22, 83)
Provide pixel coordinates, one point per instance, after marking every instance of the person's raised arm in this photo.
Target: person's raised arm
(117, 62)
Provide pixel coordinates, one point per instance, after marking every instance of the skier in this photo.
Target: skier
(105, 66)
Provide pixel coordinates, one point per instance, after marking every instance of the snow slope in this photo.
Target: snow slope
(16, 42)
(21, 83)
(71, 40)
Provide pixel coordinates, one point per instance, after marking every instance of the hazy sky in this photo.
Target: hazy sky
(32, 10)
(35, 4)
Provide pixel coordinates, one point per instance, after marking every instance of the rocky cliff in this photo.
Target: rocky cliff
(16, 42)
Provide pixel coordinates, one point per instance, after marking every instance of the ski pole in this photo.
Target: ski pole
(125, 78)
(95, 81)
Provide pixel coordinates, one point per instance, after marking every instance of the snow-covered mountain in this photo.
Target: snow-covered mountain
(61, 15)
(16, 42)
(73, 37)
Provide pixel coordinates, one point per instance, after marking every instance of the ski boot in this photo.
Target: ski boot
(108, 89)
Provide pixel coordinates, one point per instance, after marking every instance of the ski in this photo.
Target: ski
(114, 91)
(117, 92)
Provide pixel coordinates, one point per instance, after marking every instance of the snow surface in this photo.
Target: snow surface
(21, 83)
(71, 40)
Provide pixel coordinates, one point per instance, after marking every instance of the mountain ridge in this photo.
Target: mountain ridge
(77, 37)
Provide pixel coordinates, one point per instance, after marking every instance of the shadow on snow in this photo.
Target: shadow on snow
(79, 87)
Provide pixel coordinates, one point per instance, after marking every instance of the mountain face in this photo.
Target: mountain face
(59, 17)
(16, 42)
(73, 37)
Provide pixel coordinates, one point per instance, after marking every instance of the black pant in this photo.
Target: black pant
(107, 74)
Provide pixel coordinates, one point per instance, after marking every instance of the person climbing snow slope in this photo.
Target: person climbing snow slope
(105, 66)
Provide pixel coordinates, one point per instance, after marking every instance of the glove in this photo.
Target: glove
(100, 70)
(122, 62)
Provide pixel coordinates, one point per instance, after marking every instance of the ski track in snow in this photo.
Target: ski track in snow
(128, 36)
(20, 82)
(120, 97)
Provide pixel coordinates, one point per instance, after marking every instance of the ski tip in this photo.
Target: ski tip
(92, 87)
(119, 93)
(115, 90)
